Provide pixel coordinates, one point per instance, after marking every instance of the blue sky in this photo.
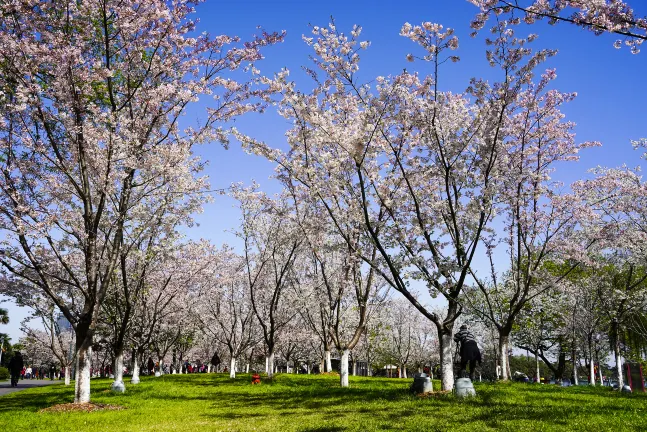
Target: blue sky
(610, 83)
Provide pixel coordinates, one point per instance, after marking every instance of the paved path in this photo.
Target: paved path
(5, 386)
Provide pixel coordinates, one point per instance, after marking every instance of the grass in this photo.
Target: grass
(316, 403)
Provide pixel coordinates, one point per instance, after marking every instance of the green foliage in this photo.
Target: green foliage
(213, 402)
(4, 373)
(527, 365)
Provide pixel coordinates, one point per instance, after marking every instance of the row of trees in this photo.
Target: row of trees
(387, 187)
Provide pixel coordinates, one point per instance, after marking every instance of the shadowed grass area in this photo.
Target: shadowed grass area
(316, 403)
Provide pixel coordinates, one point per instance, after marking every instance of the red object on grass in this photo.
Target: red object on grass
(256, 379)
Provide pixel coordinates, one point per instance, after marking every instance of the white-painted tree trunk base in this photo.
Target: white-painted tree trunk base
(270, 365)
(82, 384)
(503, 356)
(118, 369)
(446, 363)
(232, 368)
(343, 369)
(135, 377)
(327, 361)
(67, 375)
(621, 381)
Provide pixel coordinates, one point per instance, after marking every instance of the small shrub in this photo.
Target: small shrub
(4, 373)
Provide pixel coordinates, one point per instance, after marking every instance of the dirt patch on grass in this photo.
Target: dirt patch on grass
(81, 407)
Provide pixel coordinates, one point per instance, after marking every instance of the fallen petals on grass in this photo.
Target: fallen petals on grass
(76, 407)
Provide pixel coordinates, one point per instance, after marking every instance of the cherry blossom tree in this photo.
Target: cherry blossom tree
(344, 293)
(163, 314)
(618, 197)
(89, 121)
(49, 337)
(420, 170)
(538, 219)
(598, 16)
(224, 309)
(272, 245)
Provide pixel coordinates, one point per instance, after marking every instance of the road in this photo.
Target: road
(5, 386)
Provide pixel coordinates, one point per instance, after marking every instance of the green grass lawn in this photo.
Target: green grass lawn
(316, 403)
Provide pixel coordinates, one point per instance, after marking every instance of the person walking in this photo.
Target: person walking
(151, 366)
(16, 366)
(469, 351)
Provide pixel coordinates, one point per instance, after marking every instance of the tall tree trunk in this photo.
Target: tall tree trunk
(67, 375)
(537, 373)
(267, 365)
(232, 367)
(446, 361)
(161, 367)
(270, 365)
(504, 345)
(135, 378)
(118, 368)
(403, 368)
(354, 372)
(308, 367)
(327, 361)
(576, 380)
(83, 364)
(561, 364)
(591, 362)
(618, 358)
(343, 370)
(247, 368)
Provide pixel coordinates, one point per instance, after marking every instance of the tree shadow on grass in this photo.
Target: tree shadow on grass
(30, 401)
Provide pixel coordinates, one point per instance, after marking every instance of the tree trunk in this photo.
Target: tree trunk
(327, 362)
(616, 352)
(354, 367)
(600, 373)
(247, 368)
(135, 378)
(83, 364)
(591, 372)
(267, 365)
(118, 368)
(446, 361)
(504, 344)
(561, 364)
(308, 367)
(67, 375)
(343, 369)
(537, 373)
(575, 378)
(161, 370)
(232, 367)
(404, 371)
(270, 365)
